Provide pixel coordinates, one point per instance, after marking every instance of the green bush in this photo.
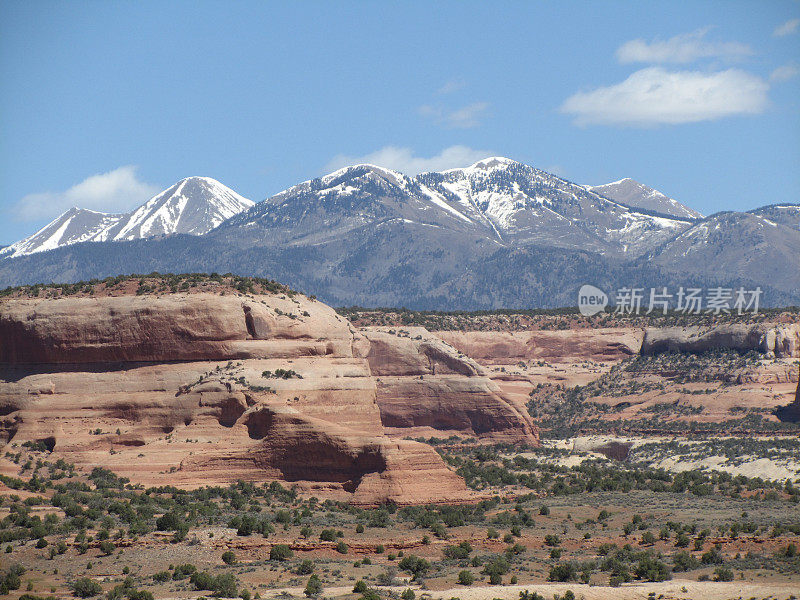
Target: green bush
(563, 572)
(652, 569)
(713, 556)
(495, 569)
(415, 565)
(313, 587)
(107, 548)
(183, 571)
(203, 580)
(465, 578)
(84, 587)
(370, 594)
(684, 561)
(305, 568)
(280, 552)
(461, 551)
(229, 557)
(225, 586)
(10, 580)
(162, 577)
(169, 522)
(723, 574)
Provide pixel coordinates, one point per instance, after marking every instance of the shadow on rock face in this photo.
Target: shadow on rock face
(791, 412)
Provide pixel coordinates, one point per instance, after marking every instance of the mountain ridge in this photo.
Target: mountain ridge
(496, 234)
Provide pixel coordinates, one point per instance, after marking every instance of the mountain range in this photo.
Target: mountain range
(498, 233)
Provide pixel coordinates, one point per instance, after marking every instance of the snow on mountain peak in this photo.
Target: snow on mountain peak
(632, 193)
(508, 201)
(193, 205)
(493, 161)
(366, 169)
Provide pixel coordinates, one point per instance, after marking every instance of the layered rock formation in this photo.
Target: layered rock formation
(426, 386)
(498, 347)
(176, 327)
(206, 388)
(782, 341)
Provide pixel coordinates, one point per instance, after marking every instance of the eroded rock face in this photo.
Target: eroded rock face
(427, 387)
(368, 466)
(168, 328)
(181, 389)
(779, 340)
(499, 347)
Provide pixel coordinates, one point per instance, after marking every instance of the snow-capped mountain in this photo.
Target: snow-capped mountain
(634, 194)
(525, 205)
(498, 233)
(194, 206)
(496, 199)
(74, 226)
(333, 206)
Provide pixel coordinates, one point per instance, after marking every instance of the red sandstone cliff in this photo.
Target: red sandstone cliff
(177, 389)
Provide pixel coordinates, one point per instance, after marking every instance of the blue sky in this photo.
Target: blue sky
(104, 103)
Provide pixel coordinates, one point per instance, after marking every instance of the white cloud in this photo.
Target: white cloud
(466, 117)
(451, 86)
(115, 191)
(791, 26)
(683, 48)
(784, 73)
(402, 159)
(655, 96)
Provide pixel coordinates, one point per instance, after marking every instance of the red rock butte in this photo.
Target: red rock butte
(207, 388)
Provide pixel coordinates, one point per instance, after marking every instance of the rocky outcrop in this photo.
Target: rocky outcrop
(207, 388)
(182, 389)
(791, 412)
(169, 328)
(295, 448)
(778, 340)
(426, 387)
(498, 347)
